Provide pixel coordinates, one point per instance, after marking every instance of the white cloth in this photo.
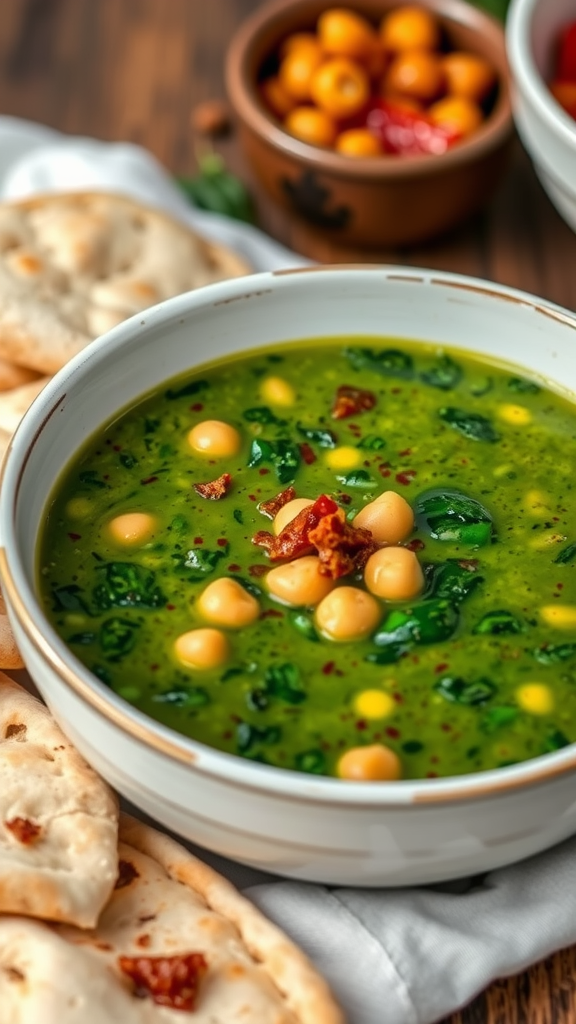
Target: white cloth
(407, 956)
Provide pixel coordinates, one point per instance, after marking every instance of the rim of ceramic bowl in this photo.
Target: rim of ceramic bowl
(22, 598)
(526, 73)
(493, 133)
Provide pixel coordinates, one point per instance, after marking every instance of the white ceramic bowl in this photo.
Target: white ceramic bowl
(307, 827)
(547, 131)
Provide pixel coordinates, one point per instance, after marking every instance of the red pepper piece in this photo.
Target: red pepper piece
(272, 506)
(566, 65)
(171, 981)
(350, 401)
(342, 548)
(405, 132)
(294, 539)
(214, 489)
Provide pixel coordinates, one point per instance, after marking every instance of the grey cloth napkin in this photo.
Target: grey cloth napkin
(405, 956)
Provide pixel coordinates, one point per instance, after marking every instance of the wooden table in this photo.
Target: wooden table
(133, 69)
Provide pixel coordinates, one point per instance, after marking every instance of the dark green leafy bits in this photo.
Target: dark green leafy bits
(460, 691)
(470, 424)
(311, 761)
(444, 374)
(450, 515)
(496, 622)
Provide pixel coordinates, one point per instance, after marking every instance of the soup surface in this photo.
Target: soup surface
(414, 618)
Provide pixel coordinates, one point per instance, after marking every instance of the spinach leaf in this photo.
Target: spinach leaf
(200, 562)
(83, 639)
(117, 637)
(470, 424)
(126, 585)
(321, 436)
(248, 736)
(311, 761)
(248, 585)
(283, 455)
(566, 556)
(388, 362)
(238, 516)
(304, 625)
(283, 681)
(555, 740)
(359, 478)
(371, 443)
(257, 699)
(183, 697)
(551, 654)
(496, 622)
(429, 622)
(127, 460)
(521, 386)
(460, 691)
(452, 580)
(444, 374)
(412, 747)
(453, 516)
(262, 414)
(69, 598)
(90, 478)
(194, 387)
(498, 718)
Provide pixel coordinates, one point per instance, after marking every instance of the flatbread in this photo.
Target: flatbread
(10, 657)
(15, 402)
(73, 265)
(58, 819)
(167, 904)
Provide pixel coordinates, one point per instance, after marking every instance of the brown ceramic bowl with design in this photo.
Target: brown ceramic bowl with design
(377, 201)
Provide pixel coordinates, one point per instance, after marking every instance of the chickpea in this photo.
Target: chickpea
(347, 613)
(340, 88)
(415, 73)
(132, 529)
(389, 518)
(215, 438)
(410, 28)
(376, 763)
(345, 34)
(202, 648)
(468, 75)
(296, 71)
(299, 582)
(312, 126)
(394, 574)
(358, 142)
(456, 114)
(225, 602)
(288, 512)
(300, 41)
(279, 101)
(276, 390)
(79, 508)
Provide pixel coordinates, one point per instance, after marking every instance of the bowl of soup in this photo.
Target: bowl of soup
(292, 560)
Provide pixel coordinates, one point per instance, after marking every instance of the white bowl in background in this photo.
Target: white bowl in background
(408, 832)
(547, 131)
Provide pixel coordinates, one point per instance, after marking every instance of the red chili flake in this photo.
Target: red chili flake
(271, 613)
(171, 981)
(361, 725)
(328, 668)
(294, 539)
(197, 407)
(342, 548)
(349, 401)
(117, 447)
(75, 536)
(415, 545)
(395, 391)
(214, 489)
(445, 727)
(405, 453)
(252, 497)
(344, 499)
(234, 567)
(431, 775)
(126, 874)
(222, 542)
(406, 477)
(441, 667)
(227, 735)
(258, 570)
(559, 586)
(398, 698)
(263, 471)
(393, 733)
(272, 506)
(307, 453)
(171, 607)
(25, 831)
(149, 480)
(154, 668)
(198, 540)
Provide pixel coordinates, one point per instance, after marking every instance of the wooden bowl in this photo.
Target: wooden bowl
(380, 201)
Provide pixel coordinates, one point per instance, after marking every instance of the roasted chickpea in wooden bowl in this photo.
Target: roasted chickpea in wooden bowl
(378, 123)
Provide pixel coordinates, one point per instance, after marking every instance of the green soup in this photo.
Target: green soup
(476, 671)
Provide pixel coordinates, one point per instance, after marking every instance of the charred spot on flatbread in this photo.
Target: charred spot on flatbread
(126, 874)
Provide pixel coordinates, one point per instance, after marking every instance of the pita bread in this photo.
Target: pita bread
(10, 657)
(15, 402)
(73, 265)
(58, 819)
(166, 904)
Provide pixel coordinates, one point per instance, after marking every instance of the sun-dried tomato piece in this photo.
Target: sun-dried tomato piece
(24, 830)
(272, 506)
(168, 980)
(350, 401)
(214, 489)
(342, 548)
(294, 540)
(307, 453)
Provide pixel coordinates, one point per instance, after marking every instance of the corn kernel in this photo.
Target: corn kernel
(343, 458)
(536, 698)
(517, 415)
(277, 391)
(562, 616)
(374, 704)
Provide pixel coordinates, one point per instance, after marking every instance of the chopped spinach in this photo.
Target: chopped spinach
(551, 654)
(263, 414)
(248, 736)
(117, 637)
(321, 436)
(304, 624)
(497, 718)
(566, 556)
(200, 562)
(389, 362)
(127, 460)
(371, 443)
(283, 681)
(358, 478)
(126, 585)
(257, 699)
(311, 761)
(453, 516)
(470, 424)
(90, 478)
(453, 580)
(283, 455)
(521, 386)
(444, 374)
(429, 622)
(183, 697)
(69, 598)
(193, 387)
(82, 639)
(500, 621)
(460, 691)
(238, 516)
(555, 740)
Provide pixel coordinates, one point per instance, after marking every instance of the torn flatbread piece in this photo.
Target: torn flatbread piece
(176, 943)
(58, 819)
(73, 265)
(10, 657)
